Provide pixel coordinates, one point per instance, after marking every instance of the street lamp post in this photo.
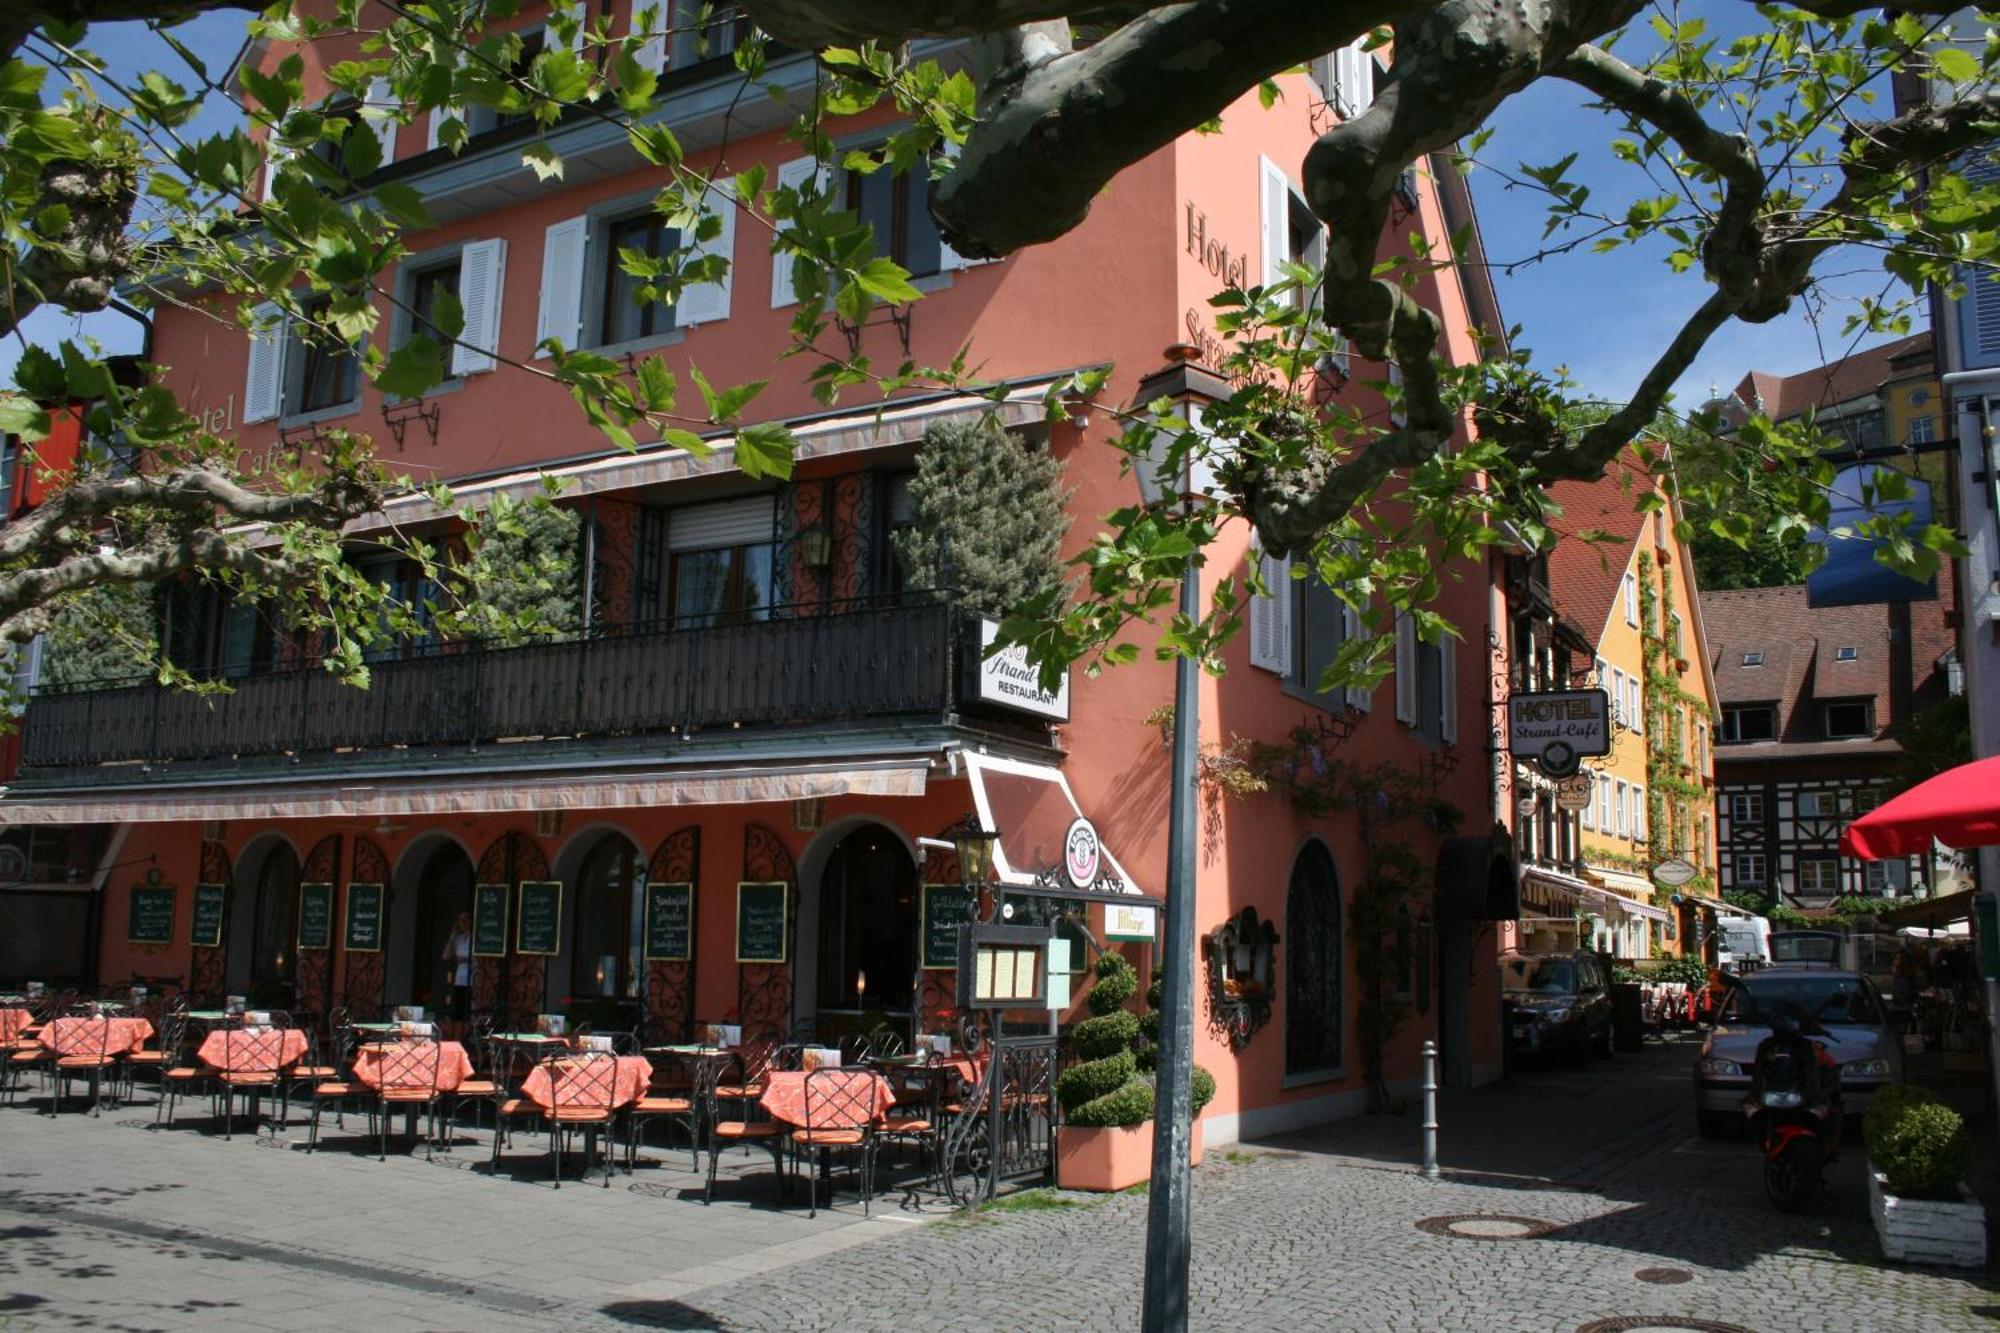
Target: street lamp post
(1167, 1208)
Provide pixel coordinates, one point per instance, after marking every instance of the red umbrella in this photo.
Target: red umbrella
(1959, 807)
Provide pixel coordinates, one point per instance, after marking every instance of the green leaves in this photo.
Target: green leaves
(23, 417)
(765, 449)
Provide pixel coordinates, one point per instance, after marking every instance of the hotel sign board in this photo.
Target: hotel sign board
(1558, 729)
(1007, 679)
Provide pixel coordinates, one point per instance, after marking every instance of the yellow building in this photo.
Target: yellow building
(1653, 795)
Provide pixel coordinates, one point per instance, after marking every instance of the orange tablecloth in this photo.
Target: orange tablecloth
(395, 1059)
(86, 1036)
(232, 1050)
(634, 1073)
(834, 1106)
(12, 1021)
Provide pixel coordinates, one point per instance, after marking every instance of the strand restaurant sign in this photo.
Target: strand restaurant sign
(1558, 729)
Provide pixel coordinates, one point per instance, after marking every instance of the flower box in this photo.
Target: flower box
(1928, 1231)
(1106, 1160)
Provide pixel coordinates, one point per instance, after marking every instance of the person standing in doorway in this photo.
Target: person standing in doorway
(458, 954)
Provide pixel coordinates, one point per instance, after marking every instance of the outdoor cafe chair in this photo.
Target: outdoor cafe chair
(488, 1081)
(164, 1054)
(409, 1081)
(95, 1058)
(582, 1096)
(839, 1117)
(252, 1066)
(664, 1104)
(767, 1134)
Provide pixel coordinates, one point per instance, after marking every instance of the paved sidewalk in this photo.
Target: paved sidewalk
(109, 1224)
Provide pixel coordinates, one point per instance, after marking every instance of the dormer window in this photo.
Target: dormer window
(1753, 659)
(1846, 654)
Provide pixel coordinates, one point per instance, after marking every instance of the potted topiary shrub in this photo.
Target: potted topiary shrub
(1918, 1154)
(1106, 1139)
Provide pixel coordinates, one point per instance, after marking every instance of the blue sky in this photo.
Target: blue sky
(1602, 316)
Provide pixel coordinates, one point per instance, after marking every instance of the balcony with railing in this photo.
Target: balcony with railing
(888, 661)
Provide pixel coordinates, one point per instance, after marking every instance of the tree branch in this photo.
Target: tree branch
(18, 18)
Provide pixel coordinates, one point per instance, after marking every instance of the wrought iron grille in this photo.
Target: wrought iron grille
(1313, 1018)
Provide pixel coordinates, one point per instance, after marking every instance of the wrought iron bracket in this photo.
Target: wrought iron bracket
(399, 416)
(898, 317)
(1240, 964)
(295, 437)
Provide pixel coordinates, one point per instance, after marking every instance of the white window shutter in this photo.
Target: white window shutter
(706, 302)
(1320, 70)
(431, 125)
(1275, 194)
(481, 271)
(264, 384)
(561, 313)
(382, 100)
(1354, 73)
(1354, 628)
(273, 159)
(1448, 683)
(652, 53)
(1271, 616)
(1406, 668)
(794, 174)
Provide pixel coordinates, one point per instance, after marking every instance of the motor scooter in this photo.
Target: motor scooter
(1794, 1108)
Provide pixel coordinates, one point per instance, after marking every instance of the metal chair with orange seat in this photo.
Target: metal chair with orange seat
(755, 1060)
(409, 1080)
(769, 1135)
(664, 1103)
(165, 1054)
(343, 1087)
(253, 1061)
(91, 1055)
(489, 1079)
(569, 1091)
(840, 1113)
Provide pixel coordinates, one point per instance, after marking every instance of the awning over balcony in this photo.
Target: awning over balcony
(901, 776)
(1034, 811)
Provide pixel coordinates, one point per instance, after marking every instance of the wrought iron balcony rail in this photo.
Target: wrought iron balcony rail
(880, 659)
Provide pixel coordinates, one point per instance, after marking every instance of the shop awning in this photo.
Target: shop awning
(1034, 811)
(741, 784)
(1934, 913)
(1543, 887)
(1629, 906)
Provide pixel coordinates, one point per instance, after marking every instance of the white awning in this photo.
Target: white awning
(1032, 808)
(479, 795)
(1543, 887)
(1629, 906)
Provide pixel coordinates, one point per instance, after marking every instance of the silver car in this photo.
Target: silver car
(1866, 1036)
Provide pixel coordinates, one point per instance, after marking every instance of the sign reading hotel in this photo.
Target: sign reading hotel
(1558, 729)
(1008, 680)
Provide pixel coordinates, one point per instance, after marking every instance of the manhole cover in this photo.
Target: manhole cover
(1659, 1323)
(1665, 1277)
(1486, 1226)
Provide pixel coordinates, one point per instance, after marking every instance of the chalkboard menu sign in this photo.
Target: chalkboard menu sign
(489, 920)
(152, 915)
(364, 918)
(670, 922)
(539, 928)
(209, 903)
(946, 908)
(315, 916)
(762, 912)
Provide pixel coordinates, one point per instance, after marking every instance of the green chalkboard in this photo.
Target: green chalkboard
(315, 916)
(152, 915)
(210, 900)
(489, 920)
(539, 923)
(762, 918)
(946, 908)
(670, 922)
(364, 918)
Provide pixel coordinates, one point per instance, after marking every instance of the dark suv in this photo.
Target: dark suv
(1559, 1002)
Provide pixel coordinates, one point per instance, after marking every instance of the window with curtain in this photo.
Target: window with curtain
(625, 316)
(1314, 1020)
(605, 956)
(726, 586)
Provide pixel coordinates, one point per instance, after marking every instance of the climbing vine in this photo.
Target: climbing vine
(1674, 791)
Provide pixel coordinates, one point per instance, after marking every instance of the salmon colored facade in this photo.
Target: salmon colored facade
(817, 745)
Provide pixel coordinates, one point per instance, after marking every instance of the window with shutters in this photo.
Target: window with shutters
(1297, 627)
(1426, 683)
(896, 206)
(423, 288)
(703, 32)
(626, 312)
(324, 375)
(1292, 234)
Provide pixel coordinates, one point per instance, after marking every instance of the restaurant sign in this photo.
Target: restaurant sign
(1558, 729)
(1007, 679)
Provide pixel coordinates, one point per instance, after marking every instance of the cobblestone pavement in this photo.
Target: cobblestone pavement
(107, 1224)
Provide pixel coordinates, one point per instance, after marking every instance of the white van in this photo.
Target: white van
(1743, 943)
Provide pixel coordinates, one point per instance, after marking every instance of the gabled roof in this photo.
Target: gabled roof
(1800, 647)
(1584, 576)
(1781, 397)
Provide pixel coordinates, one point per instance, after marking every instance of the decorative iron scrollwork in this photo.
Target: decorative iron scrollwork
(399, 417)
(1240, 955)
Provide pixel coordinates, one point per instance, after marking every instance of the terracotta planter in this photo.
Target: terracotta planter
(1105, 1160)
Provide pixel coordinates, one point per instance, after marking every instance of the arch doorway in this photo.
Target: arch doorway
(263, 959)
(1316, 954)
(601, 947)
(439, 887)
(867, 925)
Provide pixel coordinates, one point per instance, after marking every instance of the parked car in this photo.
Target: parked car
(1557, 1003)
(1865, 1036)
(1809, 948)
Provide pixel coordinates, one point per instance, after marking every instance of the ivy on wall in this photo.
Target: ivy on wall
(1675, 794)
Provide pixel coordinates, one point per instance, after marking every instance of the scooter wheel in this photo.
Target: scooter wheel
(1792, 1177)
